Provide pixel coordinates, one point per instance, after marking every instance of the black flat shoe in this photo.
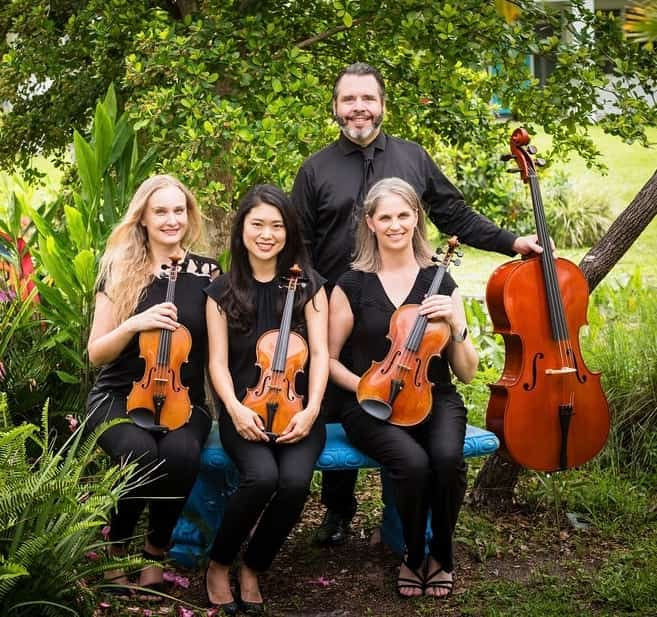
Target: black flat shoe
(252, 608)
(228, 608)
(333, 529)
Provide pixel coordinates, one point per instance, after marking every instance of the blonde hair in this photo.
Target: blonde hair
(367, 257)
(125, 267)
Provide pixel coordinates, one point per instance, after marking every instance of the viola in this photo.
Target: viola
(547, 408)
(281, 355)
(160, 402)
(397, 389)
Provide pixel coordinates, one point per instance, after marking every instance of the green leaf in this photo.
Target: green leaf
(76, 228)
(103, 132)
(67, 377)
(245, 134)
(87, 165)
(109, 102)
(347, 20)
(84, 264)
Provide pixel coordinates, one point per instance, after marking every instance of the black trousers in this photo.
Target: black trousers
(168, 463)
(427, 469)
(274, 483)
(338, 486)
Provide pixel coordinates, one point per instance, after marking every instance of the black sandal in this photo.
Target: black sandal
(416, 583)
(440, 584)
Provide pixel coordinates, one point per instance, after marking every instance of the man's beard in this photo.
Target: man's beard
(358, 134)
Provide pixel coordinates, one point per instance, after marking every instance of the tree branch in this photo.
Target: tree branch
(328, 33)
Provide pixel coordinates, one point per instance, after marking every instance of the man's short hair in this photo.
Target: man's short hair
(361, 68)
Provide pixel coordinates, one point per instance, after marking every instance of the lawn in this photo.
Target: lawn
(629, 167)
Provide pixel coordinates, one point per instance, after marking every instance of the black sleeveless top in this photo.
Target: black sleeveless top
(194, 276)
(372, 311)
(269, 301)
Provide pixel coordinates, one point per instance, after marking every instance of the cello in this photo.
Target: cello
(548, 409)
(159, 402)
(397, 389)
(280, 354)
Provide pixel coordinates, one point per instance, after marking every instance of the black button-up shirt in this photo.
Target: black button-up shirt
(326, 191)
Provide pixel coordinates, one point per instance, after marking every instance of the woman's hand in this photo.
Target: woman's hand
(248, 423)
(298, 427)
(159, 316)
(440, 307)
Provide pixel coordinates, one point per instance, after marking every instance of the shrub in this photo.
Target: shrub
(53, 504)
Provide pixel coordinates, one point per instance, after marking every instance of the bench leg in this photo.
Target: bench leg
(391, 528)
(205, 507)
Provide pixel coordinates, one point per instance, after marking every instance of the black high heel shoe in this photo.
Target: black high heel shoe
(228, 608)
(250, 608)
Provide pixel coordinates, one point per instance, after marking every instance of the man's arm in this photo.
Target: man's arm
(448, 211)
(304, 200)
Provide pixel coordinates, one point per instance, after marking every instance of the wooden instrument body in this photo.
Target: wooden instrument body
(523, 410)
(163, 380)
(403, 370)
(274, 398)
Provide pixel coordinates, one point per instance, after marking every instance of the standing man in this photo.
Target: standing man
(329, 190)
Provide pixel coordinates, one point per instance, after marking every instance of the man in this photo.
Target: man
(329, 191)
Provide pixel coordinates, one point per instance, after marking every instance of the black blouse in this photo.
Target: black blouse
(269, 301)
(194, 276)
(372, 311)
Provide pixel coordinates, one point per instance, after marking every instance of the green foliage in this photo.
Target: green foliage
(236, 93)
(622, 343)
(71, 235)
(53, 504)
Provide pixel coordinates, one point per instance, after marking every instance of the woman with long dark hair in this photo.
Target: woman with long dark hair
(162, 220)
(393, 267)
(275, 474)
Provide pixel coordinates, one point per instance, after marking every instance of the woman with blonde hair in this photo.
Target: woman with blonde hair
(163, 220)
(392, 268)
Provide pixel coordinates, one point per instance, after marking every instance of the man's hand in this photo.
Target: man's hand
(526, 245)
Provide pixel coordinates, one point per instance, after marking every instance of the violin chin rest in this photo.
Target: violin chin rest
(376, 408)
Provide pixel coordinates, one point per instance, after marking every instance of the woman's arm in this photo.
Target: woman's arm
(247, 422)
(107, 339)
(462, 356)
(341, 324)
(316, 314)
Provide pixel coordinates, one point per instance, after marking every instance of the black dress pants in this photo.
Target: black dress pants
(427, 469)
(338, 487)
(167, 465)
(274, 484)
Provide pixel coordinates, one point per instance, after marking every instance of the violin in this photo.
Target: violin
(397, 389)
(548, 409)
(281, 355)
(159, 402)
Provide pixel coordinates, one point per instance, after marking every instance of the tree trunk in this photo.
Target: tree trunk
(497, 479)
(623, 232)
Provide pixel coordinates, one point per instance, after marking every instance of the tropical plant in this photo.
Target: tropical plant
(72, 234)
(53, 505)
(641, 21)
(622, 342)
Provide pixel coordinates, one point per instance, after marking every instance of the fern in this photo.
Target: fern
(53, 504)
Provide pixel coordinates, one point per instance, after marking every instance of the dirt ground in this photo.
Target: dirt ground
(358, 578)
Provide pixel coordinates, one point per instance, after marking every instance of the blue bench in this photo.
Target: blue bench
(218, 479)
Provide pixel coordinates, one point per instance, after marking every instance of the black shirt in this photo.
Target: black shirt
(328, 184)
(269, 301)
(372, 311)
(193, 277)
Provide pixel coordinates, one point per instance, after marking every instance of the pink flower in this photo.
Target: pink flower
(104, 605)
(322, 581)
(185, 612)
(92, 555)
(176, 579)
(73, 422)
(105, 531)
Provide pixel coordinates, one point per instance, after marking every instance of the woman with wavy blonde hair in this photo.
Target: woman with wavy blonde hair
(162, 221)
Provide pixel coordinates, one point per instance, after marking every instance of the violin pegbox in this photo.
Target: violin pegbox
(450, 251)
(294, 279)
